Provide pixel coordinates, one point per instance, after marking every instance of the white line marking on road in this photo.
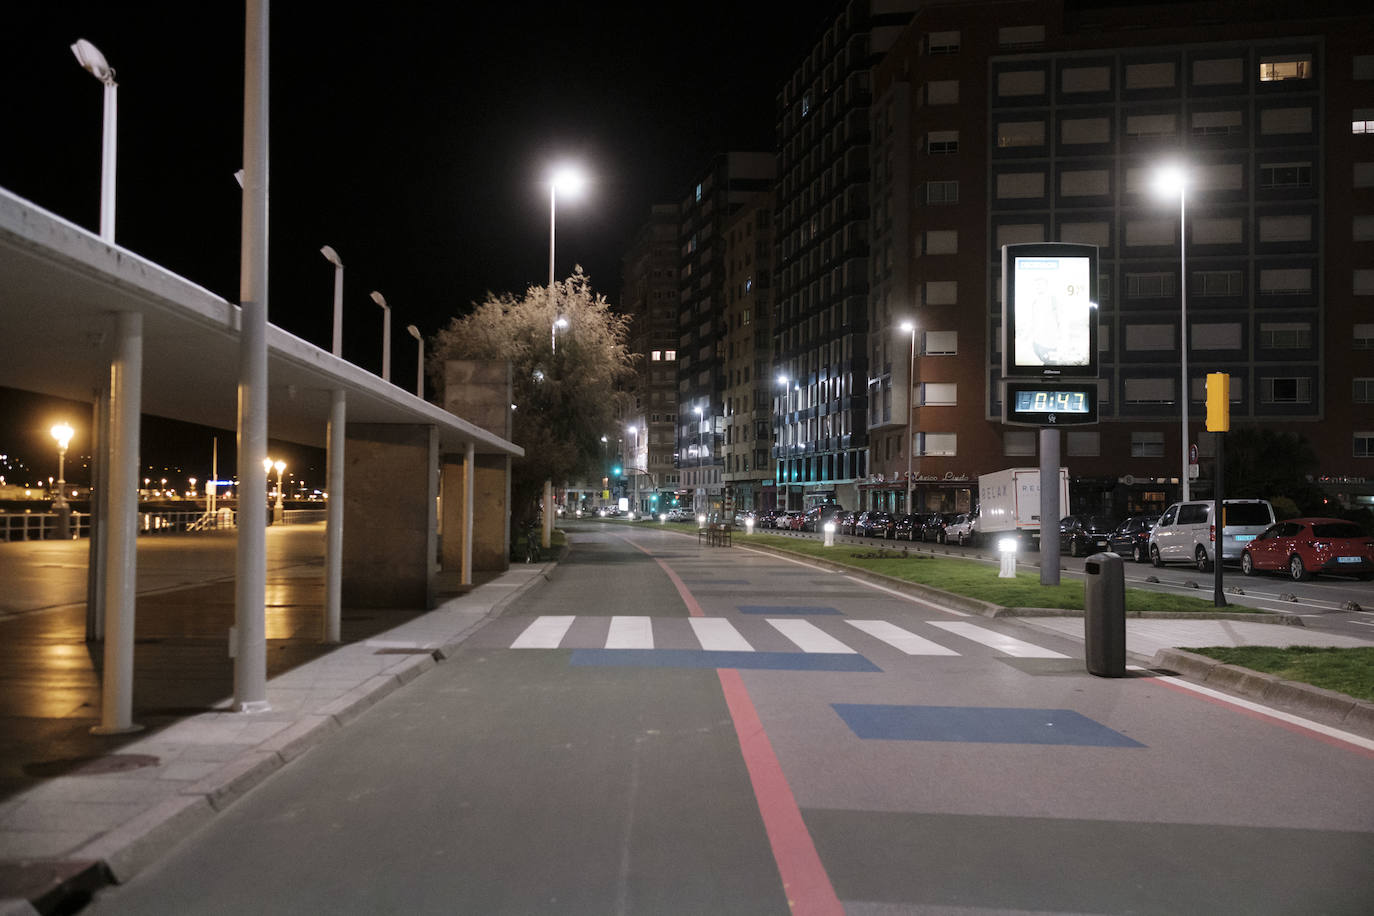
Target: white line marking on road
(630, 633)
(716, 634)
(912, 598)
(895, 636)
(809, 637)
(1005, 644)
(544, 633)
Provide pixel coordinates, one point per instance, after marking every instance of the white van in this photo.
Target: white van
(1185, 533)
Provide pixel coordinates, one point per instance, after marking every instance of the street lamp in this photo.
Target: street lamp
(386, 335)
(419, 369)
(63, 434)
(267, 466)
(559, 322)
(910, 326)
(94, 62)
(1173, 180)
(570, 181)
(332, 257)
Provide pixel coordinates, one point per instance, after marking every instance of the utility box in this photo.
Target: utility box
(1104, 615)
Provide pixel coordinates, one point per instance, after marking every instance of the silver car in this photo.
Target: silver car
(1185, 532)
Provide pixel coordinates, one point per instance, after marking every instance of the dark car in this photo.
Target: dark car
(1084, 534)
(844, 522)
(876, 525)
(818, 516)
(1304, 547)
(934, 527)
(1132, 537)
(907, 528)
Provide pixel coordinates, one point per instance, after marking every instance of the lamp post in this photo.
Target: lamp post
(386, 335)
(420, 368)
(570, 181)
(633, 468)
(1174, 180)
(332, 257)
(277, 508)
(910, 327)
(63, 434)
(94, 62)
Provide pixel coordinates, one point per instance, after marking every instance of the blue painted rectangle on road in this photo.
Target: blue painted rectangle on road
(693, 658)
(989, 725)
(797, 609)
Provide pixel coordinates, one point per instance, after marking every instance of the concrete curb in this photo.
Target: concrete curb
(1325, 706)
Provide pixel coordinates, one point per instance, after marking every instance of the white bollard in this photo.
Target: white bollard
(829, 529)
(1007, 547)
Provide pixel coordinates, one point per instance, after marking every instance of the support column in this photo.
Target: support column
(334, 520)
(100, 514)
(456, 503)
(469, 479)
(1049, 506)
(121, 569)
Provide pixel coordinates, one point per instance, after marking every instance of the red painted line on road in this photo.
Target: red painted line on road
(804, 879)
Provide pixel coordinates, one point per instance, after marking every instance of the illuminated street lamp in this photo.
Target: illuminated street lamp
(1173, 180)
(420, 367)
(332, 257)
(386, 335)
(94, 63)
(570, 181)
(63, 434)
(910, 327)
(277, 509)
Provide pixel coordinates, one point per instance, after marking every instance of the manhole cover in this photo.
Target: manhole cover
(90, 766)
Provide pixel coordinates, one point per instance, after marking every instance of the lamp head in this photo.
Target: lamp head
(279, 465)
(1171, 181)
(908, 326)
(63, 434)
(377, 298)
(568, 180)
(413, 331)
(266, 464)
(331, 256)
(90, 58)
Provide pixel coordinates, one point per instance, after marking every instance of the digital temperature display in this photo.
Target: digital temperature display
(1042, 401)
(1027, 403)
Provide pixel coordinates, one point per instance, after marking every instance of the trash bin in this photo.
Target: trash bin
(1104, 615)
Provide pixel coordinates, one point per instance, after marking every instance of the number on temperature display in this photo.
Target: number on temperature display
(1051, 402)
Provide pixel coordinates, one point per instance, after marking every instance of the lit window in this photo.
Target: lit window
(1290, 67)
(656, 355)
(1362, 121)
(670, 354)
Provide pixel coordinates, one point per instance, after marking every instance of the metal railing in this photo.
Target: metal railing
(42, 526)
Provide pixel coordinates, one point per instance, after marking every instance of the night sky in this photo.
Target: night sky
(414, 138)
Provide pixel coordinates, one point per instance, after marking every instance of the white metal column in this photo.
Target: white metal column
(469, 493)
(333, 552)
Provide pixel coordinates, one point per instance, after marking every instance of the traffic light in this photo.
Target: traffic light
(1218, 402)
(615, 471)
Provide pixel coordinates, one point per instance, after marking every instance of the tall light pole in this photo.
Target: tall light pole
(332, 257)
(910, 327)
(1174, 180)
(386, 335)
(420, 367)
(570, 181)
(63, 434)
(94, 62)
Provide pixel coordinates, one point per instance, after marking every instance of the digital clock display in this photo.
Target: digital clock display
(1040, 400)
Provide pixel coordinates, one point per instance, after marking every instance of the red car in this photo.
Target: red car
(1304, 547)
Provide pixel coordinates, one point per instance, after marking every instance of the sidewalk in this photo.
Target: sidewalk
(108, 816)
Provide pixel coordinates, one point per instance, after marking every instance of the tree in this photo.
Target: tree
(565, 398)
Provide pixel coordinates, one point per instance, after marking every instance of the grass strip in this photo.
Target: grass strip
(1348, 671)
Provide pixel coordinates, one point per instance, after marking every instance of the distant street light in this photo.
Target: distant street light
(1173, 180)
(386, 335)
(94, 62)
(332, 257)
(910, 327)
(63, 434)
(570, 181)
(420, 368)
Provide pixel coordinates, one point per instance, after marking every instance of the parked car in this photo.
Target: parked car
(817, 516)
(959, 529)
(1132, 537)
(933, 528)
(907, 528)
(1305, 547)
(844, 522)
(1185, 532)
(1081, 535)
(878, 525)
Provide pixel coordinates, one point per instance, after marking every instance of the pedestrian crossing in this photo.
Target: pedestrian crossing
(718, 634)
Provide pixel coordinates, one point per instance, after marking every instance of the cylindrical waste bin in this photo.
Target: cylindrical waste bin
(1104, 615)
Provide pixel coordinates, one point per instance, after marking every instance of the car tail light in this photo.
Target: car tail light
(1212, 533)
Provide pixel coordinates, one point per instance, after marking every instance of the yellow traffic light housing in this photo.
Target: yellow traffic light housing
(1218, 402)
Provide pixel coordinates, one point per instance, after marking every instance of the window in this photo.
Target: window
(1285, 390)
(1198, 389)
(1362, 228)
(939, 394)
(1012, 134)
(1364, 282)
(1084, 444)
(937, 443)
(1364, 390)
(1020, 185)
(1364, 445)
(942, 292)
(1085, 130)
(946, 343)
(1085, 183)
(1150, 232)
(670, 354)
(1206, 123)
(1147, 445)
(1288, 67)
(1295, 335)
(1020, 35)
(1095, 233)
(1150, 76)
(1287, 228)
(1286, 175)
(1362, 121)
(1149, 391)
(1208, 283)
(1150, 337)
(1086, 79)
(1017, 233)
(1156, 125)
(1278, 281)
(1021, 82)
(1219, 72)
(1217, 336)
(942, 43)
(1362, 337)
(1018, 442)
(1286, 121)
(656, 356)
(942, 92)
(1218, 231)
(942, 142)
(942, 192)
(942, 241)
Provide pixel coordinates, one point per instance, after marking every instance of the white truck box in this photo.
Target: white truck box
(1009, 503)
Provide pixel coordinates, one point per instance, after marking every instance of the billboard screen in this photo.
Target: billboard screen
(1049, 310)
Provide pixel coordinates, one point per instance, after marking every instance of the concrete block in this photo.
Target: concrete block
(1188, 664)
(1360, 719)
(300, 737)
(358, 700)
(138, 843)
(1240, 680)
(227, 784)
(1324, 705)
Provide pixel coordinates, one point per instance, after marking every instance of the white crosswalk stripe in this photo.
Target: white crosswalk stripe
(809, 637)
(544, 633)
(901, 639)
(716, 634)
(630, 633)
(1005, 644)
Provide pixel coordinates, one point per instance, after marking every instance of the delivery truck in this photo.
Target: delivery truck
(1009, 505)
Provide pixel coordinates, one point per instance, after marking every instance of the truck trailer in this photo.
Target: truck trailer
(1009, 505)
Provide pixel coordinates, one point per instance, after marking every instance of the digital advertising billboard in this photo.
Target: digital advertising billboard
(1049, 310)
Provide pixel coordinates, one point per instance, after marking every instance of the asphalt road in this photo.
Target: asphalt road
(667, 728)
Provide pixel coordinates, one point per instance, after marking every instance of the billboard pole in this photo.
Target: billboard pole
(1049, 505)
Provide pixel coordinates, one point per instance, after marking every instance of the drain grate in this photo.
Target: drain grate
(101, 765)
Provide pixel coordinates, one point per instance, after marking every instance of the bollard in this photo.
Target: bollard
(1007, 547)
(829, 530)
(1104, 615)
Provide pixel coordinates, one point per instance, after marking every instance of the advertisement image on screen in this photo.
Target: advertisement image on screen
(1050, 311)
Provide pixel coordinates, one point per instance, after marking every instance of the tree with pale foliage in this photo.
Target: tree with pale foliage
(566, 397)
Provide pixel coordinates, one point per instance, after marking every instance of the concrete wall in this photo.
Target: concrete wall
(479, 391)
(390, 518)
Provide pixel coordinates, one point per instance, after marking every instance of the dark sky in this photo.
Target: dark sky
(414, 138)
